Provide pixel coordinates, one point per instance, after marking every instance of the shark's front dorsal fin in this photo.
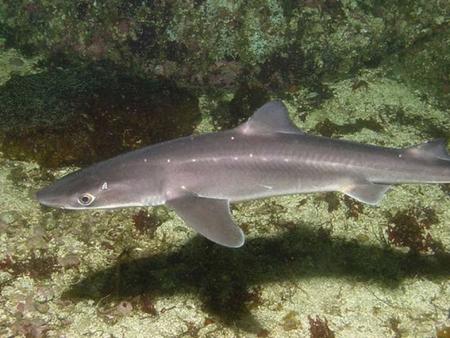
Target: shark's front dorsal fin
(273, 117)
(210, 217)
(431, 149)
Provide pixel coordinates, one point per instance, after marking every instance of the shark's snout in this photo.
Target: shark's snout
(61, 193)
(47, 197)
(85, 190)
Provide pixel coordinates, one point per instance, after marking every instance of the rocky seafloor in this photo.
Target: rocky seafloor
(125, 75)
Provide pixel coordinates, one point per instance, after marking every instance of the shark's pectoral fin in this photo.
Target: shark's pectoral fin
(210, 217)
(370, 193)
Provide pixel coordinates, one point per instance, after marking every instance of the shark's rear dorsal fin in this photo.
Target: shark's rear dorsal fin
(432, 149)
(273, 117)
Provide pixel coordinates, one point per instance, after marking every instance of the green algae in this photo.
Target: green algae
(13, 63)
(384, 112)
(188, 40)
(430, 61)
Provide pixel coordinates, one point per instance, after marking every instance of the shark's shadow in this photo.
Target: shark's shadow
(226, 280)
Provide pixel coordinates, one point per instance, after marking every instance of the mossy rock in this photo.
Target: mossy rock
(77, 116)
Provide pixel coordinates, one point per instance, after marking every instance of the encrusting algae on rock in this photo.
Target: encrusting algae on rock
(369, 72)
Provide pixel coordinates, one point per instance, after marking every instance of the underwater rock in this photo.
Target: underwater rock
(80, 115)
(8, 217)
(284, 42)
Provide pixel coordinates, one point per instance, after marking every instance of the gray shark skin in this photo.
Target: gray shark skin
(268, 155)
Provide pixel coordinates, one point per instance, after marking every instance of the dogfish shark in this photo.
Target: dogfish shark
(199, 176)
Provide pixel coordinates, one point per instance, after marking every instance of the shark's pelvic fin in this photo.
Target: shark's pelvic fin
(210, 217)
(370, 193)
(432, 149)
(273, 117)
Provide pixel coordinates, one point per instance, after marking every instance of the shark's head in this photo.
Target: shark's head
(92, 188)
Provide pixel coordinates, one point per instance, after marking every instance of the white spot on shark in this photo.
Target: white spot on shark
(168, 160)
(105, 186)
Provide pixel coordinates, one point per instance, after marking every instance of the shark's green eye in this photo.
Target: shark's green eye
(86, 199)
